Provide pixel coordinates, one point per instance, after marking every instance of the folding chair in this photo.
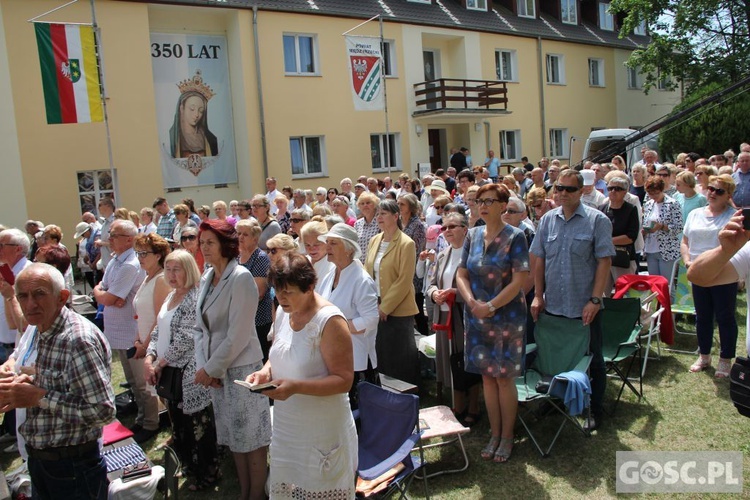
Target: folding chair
(172, 468)
(561, 348)
(621, 327)
(389, 429)
(681, 292)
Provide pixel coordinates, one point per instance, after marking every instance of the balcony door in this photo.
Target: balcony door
(431, 62)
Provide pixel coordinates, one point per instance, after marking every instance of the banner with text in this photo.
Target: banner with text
(191, 75)
(365, 70)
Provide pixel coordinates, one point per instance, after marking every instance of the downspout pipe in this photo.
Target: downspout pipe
(259, 84)
(542, 111)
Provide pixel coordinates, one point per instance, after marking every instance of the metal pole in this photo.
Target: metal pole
(103, 96)
(385, 99)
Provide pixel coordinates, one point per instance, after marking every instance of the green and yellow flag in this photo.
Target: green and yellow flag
(67, 56)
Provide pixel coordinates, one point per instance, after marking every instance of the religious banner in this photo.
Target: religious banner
(70, 77)
(365, 70)
(191, 76)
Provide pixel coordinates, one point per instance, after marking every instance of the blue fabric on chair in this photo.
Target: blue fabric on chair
(574, 389)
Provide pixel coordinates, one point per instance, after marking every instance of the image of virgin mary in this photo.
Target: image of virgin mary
(189, 134)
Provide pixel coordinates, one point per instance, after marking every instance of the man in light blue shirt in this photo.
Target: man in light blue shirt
(574, 247)
(741, 178)
(492, 164)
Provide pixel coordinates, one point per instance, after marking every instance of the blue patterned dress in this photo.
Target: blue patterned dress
(494, 346)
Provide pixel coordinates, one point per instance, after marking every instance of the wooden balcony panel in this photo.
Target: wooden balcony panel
(453, 94)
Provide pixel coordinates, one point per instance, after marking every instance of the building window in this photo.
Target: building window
(640, 29)
(526, 8)
(558, 142)
(308, 156)
(664, 81)
(300, 54)
(506, 65)
(378, 148)
(420, 1)
(510, 145)
(476, 4)
(633, 81)
(596, 72)
(389, 58)
(555, 69)
(569, 11)
(93, 185)
(606, 19)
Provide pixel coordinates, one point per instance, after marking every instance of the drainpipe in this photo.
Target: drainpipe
(259, 83)
(542, 113)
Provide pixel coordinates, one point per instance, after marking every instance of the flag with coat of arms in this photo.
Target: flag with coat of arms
(365, 70)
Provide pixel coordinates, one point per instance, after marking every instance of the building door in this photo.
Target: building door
(436, 148)
(431, 59)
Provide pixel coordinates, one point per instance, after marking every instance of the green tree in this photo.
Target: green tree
(693, 41)
(709, 130)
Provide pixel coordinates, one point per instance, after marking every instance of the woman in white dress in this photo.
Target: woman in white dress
(353, 291)
(314, 441)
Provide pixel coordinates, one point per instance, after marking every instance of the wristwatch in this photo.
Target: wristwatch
(595, 300)
(492, 308)
(44, 402)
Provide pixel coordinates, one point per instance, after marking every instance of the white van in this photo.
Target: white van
(600, 139)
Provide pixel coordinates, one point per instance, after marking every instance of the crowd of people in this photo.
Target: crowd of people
(316, 291)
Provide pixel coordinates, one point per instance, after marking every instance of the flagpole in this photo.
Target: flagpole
(102, 95)
(385, 98)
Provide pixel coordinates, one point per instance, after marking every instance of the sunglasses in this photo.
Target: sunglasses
(487, 202)
(439, 207)
(512, 212)
(188, 237)
(450, 226)
(567, 189)
(718, 191)
(273, 251)
(296, 220)
(615, 188)
(663, 174)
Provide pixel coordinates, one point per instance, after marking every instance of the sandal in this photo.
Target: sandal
(471, 419)
(703, 362)
(488, 452)
(723, 368)
(502, 454)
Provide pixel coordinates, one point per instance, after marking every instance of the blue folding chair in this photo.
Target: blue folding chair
(389, 429)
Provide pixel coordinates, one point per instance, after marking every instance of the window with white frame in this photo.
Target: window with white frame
(633, 78)
(389, 58)
(476, 4)
(606, 19)
(569, 11)
(378, 148)
(93, 185)
(640, 29)
(526, 8)
(300, 54)
(510, 145)
(596, 72)
(664, 81)
(555, 69)
(558, 142)
(506, 65)
(308, 156)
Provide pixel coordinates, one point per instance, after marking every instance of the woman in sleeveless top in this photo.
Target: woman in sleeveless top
(314, 442)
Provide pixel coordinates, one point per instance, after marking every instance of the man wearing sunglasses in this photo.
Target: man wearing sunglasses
(574, 248)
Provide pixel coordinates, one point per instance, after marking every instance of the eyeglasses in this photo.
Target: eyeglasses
(7, 245)
(296, 220)
(258, 206)
(449, 226)
(617, 189)
(718, 191)
(273, 251)
(142, 255)
(188, 237)
(113, 235)
(663, 174)
(567, 189)
(487, 201)
(512, 212)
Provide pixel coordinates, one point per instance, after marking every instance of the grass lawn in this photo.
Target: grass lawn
(681, 411)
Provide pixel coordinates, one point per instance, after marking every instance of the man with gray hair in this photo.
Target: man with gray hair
(107, 211)
(122, 278)
(300, 201)
(524, 182)
(32, 227)
(69, 399)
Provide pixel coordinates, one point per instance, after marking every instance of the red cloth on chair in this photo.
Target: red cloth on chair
(114, 432)
(658, 284)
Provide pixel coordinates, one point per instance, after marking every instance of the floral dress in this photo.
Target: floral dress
(494, 346)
